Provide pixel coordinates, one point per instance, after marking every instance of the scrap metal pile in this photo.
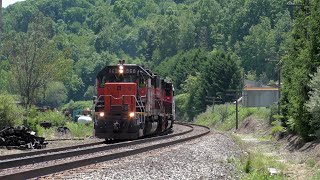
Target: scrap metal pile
(20, 138)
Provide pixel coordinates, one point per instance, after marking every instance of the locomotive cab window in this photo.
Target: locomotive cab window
(102, 81)
(168, 92)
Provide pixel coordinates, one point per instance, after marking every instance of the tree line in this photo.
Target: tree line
(52, 50)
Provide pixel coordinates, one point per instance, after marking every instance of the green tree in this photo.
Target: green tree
(301, 61)
(195, 101)
(313, 104)
(56, 94)
(33, 58)
(259, 47)
(10, 113)
(221, 72)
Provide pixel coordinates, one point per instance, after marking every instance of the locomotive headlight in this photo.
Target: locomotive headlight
(121, 69)
(101, 114)
(131, 114)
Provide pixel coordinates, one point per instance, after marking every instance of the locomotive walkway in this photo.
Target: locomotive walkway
(35, 164)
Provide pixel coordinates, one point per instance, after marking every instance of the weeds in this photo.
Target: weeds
(256, 167)
(316, 176)
(80, 130)
(55, 118)
(46, 133)
(223, 117)
(311, 163)
(277, 129)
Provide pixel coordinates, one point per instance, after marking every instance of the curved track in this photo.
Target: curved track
(52, 162)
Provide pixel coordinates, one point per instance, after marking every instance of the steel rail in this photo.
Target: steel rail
(9, 163)
(79, 163)
(33, 153)
(43, 151)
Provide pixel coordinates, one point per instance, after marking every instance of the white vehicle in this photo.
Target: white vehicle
(84, 119)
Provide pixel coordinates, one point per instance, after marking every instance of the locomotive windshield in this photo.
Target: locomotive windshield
(117, 78)
(127, 73)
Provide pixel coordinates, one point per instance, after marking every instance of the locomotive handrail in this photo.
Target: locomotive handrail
(140, 105)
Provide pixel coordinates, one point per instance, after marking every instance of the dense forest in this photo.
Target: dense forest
(51, 50)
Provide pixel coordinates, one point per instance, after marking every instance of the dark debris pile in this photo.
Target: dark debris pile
(20, 138)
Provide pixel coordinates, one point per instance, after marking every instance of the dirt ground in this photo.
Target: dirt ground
(302, 159)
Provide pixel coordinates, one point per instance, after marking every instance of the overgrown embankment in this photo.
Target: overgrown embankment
(223, 117)
(263, 156)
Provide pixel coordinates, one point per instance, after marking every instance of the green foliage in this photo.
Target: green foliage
(194, 103)
(223, 117)
(301, 61)
(277, 129)
(56, 94)
(46, 133)
(10, 113)
(316, 176)
(55, 118)
(313, 104)
(251, 75)
(219, 71)
(75, 39)
(80, 130)
(180, 101)
(78, 105)
(257, 165)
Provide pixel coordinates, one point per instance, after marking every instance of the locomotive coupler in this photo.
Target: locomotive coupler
(116, 127)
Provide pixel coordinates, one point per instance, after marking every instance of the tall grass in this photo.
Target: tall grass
(55, 118)
(80, 130)
(256, 167)
(46, 133)
(223, 117)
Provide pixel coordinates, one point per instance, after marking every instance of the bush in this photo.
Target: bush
(46, 133)
(80, 130)
(55, 118)
(313, 104)
(78, 105)
(10, 113)
(277, 129)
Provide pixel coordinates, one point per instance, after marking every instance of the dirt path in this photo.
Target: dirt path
(301, 159)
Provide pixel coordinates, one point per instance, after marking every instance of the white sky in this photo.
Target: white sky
(6, 3)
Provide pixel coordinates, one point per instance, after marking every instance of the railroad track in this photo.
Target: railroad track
(35, 165)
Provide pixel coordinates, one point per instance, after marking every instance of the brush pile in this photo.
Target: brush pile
(20, 138)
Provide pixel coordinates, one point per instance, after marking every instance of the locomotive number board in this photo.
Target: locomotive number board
(126, 70)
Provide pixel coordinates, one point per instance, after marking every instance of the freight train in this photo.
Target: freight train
(132, 102)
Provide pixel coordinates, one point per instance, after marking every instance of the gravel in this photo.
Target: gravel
(204, 158)
(101, 153)
(67, 143)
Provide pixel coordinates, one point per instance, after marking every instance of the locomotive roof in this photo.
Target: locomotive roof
(104, 71)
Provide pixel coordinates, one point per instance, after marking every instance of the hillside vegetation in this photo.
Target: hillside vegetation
(51, 50)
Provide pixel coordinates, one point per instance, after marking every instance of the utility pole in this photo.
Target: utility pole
(279, 79)
(235, 93)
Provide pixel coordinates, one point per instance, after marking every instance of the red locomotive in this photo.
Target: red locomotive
(132, 102)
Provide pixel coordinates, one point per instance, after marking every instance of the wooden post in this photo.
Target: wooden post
(237, 111)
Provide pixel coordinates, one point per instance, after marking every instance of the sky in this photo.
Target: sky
(6, 3)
